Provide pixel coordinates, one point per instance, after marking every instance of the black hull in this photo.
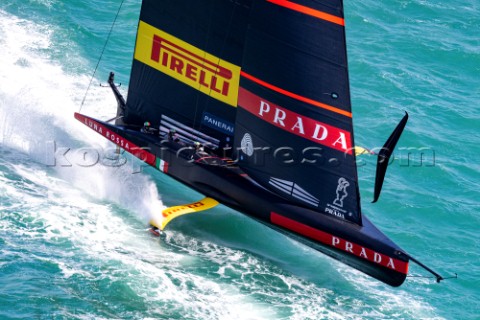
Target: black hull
(364, 247)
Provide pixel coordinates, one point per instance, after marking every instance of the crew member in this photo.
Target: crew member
(147, 128)
(198, 146)
(172, 135)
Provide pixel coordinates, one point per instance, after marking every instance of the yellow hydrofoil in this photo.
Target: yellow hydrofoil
(171, 213)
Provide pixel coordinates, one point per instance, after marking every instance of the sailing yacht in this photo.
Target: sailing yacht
(248, 103)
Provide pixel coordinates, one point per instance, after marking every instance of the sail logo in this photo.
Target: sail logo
(336, 209)
(341, 192)
(188, 64)
(246, 144)
(217, 123)
(296, 123)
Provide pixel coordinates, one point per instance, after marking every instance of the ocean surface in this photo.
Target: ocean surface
(73, 225)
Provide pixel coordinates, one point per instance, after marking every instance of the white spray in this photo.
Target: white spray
(37, 102)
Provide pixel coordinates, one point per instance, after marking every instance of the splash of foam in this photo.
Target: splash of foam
(37, 102)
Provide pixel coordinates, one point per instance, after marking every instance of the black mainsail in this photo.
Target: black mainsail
(270, 78)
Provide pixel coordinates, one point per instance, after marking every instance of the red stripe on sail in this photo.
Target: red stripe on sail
(295, 123)
(339, 243)
(309, 11)
(296, 96)
(120, 141)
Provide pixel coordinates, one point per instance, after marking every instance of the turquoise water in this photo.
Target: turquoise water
(73, 237)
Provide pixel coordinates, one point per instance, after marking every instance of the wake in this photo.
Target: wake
(37, 100)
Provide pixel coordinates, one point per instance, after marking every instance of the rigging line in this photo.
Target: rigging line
(101, 54)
